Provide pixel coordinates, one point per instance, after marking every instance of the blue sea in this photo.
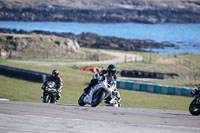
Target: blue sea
(186, 36)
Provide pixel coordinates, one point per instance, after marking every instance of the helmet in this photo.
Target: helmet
(55, 73)
(198, 88)
(111, 69)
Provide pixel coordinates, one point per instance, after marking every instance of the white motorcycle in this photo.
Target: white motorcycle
(98, 93)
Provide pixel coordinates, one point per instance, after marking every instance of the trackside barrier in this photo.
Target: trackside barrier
(153, 88)
(144, 74)
(24, 74)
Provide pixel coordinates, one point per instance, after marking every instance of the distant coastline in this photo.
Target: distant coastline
(90, 40)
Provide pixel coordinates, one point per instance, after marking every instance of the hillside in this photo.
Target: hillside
(102, 11)
(37, 46)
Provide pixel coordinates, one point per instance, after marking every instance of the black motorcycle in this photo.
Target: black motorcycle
(194, 107)
(50, 92)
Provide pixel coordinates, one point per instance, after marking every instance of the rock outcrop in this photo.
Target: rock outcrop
(36, 46)
(104, 42)
(102, 11)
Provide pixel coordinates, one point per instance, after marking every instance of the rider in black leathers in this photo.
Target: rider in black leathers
(110, 73)
(195, 91)
(58, 81)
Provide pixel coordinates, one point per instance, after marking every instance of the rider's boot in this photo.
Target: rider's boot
(87, 90)
(107, 101)
(58, 96)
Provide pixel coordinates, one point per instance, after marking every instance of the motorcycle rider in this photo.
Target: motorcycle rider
(196, 91)
(58, 81)
(110, 74)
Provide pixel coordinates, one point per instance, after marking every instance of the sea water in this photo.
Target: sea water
(185, 36)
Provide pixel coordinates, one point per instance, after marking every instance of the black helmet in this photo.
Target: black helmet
(111, 69)
(55, 72)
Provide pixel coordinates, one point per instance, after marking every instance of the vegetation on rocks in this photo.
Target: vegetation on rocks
(102, 11)
(24, 46)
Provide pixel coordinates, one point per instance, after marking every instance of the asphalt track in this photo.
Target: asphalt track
(18, 117)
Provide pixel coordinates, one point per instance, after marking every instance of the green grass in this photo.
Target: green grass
(95, 52)
(187, 66)
(19, 90)
(91, 52)
(74, 82)
(53, 60)
(149, 100)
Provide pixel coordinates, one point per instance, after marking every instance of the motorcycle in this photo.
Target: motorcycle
(50, 92)
(194, 107)
(98, 93)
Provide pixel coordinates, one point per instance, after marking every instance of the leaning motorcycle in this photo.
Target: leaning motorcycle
(50, 92)
(194, 107)
(97, 94)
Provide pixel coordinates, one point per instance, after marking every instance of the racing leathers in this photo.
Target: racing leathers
(111, 82)
(195, 92)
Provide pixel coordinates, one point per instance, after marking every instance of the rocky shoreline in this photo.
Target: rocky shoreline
(90, 40)
(101, 11)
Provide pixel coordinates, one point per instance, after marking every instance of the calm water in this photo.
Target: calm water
(183, 35)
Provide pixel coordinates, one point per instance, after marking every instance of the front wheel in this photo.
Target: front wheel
(98, 96)
(53, 99)
(81, 100)
(47, 99)
(194, 108)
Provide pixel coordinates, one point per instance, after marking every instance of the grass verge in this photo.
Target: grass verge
(74, 81)
(187, 66)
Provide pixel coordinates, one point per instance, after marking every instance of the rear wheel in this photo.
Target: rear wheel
(81, 100)
(194, 108)
(98, 96)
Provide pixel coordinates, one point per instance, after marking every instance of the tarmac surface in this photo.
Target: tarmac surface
(18, 117)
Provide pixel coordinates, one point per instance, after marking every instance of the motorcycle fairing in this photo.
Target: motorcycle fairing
(88, 98)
